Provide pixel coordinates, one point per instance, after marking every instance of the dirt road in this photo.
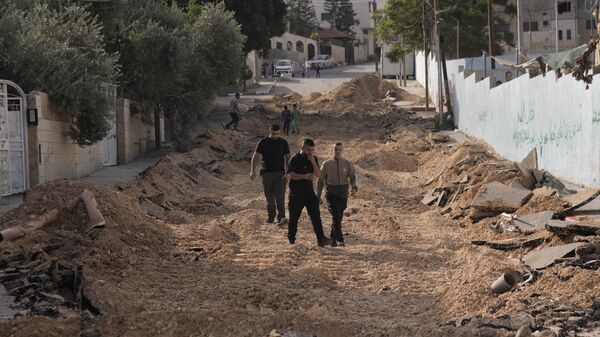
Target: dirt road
(187, 251)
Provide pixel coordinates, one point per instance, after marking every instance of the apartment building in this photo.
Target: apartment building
(548, 25)
(365, 42)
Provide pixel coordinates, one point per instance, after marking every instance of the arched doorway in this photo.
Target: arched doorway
(300, 47)
(13, 140)
(290, 46)
(311, 50)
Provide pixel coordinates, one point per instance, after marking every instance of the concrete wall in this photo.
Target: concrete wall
(294, 39)
(58, 156)
(134, 137)
(558, 116)
(338, 53)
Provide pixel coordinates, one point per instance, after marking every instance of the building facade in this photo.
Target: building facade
(547, 26)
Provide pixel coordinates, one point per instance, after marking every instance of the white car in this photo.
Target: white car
(285, 68)
(324, 61)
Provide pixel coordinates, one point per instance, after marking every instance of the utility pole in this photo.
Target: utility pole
(555, 23)
(491, 34)
(440, 104)
(518, 35)
(426, 49)
(597, 32)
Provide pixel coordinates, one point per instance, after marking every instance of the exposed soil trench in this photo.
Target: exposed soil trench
(211, 266)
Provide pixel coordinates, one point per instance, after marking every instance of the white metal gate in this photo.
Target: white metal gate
(13, 176)
(109, 143)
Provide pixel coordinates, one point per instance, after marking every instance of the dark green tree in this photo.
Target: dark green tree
(57, 47)
(400, 25)
(302, 17)
(341, 15)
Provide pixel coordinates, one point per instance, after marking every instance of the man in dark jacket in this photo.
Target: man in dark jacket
(303, 168)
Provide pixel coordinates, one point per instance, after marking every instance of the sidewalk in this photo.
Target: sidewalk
(111, 176)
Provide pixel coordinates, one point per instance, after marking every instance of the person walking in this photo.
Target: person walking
(234, 112)
(295, 119)
(274, 152)
(318, 70)
(336, 176)
(286, 116)
(303, 168)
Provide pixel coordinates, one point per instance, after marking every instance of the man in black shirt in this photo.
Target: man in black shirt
(275, 153)
(303, 169)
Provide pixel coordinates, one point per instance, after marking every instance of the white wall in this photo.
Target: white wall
(557, 116)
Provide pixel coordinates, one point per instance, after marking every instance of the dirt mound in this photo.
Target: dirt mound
(362, 95)
(390, 160)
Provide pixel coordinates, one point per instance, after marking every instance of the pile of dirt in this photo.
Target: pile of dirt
(54, 270)
(363, 95)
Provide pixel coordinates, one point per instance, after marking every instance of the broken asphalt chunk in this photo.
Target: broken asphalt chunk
(543, 258)
(495, 198)
(580, 199)
(567, 228)
(513, 243)
(533, 222)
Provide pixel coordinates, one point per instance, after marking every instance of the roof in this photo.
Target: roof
(332, 34)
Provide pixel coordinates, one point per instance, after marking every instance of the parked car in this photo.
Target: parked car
(286, 67)
(324, 61)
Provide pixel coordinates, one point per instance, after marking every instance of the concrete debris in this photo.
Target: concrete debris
(567, 228)
(513, 243)
(436, 196)
(527, 179)
(533, 222)
(506, 281)
(531, 160)
(545, 257)
(153, 209)
(538, 175)
(495, 198)
(580, 199)
(524, 331)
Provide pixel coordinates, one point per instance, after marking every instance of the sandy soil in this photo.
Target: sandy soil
(406, 269)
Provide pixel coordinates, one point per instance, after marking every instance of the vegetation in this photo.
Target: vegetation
(302, 17)
(341, 15)
(400, 24)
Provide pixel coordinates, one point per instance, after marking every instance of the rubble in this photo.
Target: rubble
(533, 222)
(513, 243)
(495, 198)
(545, 257)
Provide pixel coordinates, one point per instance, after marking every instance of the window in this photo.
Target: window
(502, 28)
(530, 26)
(568, 34)
(290, 46)
(545, 23)
(589, 25)
(560, 34)
(300, 47)
(564, 7)
(325, 16)
(279, 45)
(365, 32)
(372, 6)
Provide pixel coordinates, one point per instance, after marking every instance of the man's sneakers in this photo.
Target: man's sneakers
(335, 243)
(271, 219)
(282, 221)
(324, 242)
(292, 241)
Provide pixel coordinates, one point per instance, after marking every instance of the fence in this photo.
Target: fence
(558, 116)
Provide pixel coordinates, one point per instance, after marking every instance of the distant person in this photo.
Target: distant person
(303, 168)
(337, 175)
(508, 76)
(234, 112)
(286, 117)
(272, 70)
(318, 70)
(264, 70)
(274, 152)
(307, 67)
(295, 119)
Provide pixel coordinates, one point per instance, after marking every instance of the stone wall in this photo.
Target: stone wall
(134, 136)
(57, 156)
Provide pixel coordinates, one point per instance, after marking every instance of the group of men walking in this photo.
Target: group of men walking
(336, 176)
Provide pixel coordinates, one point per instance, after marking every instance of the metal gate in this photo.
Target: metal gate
(13, 176)
(109, 143)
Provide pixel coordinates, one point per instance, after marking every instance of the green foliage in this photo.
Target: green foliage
(173, 61)
(58, 48)
(341, 15)
(302, 17)
(404, 18)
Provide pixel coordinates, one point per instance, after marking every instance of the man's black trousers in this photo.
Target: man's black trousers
(296, 204)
